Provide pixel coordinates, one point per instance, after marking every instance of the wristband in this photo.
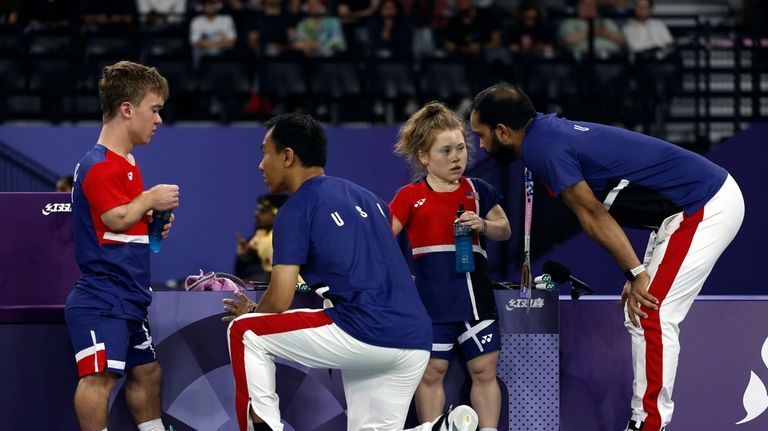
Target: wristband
(485, 227)
(632, 273)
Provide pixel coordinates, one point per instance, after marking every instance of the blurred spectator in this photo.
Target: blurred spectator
(321, 35)
(429, 17)
(421, 13)
(254, 255)
(471, 30)
(612, 7)
(269, 33)
(159, 13)
(211, 33)
(529, 38)
(318, 34)
(474, 35)
(64, 184)
(46, 14)
(9, 12)
(391, 37)
(293, 7)
(574, 32)
(530, 33)
(390, 33)
(606, 7)
(645, 35)
(657, 67)
(102, 14)
(235, 6)
(354, 16)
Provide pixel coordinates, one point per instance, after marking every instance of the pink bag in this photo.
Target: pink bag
(214, 282)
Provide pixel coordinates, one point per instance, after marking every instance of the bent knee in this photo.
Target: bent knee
(149, 374)
(103, 382)
(483, 367)
(435, 372)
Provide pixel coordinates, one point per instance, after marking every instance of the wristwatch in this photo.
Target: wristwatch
(632, 273)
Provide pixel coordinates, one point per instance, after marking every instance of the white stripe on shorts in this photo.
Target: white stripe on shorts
(442, 347)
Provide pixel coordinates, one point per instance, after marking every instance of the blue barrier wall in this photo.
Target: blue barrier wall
(744, 156)
(217, 169)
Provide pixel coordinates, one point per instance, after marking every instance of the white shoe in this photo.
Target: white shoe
(636, 426)
(460, 418)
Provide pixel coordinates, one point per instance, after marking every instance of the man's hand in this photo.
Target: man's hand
(167, 227)
(238, 306)
(161, 197)
(471, 220)
(164, 196)
(242, 244)
(635, 295)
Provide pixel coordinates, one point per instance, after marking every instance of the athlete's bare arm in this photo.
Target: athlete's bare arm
(495, 223)
(397, 227)
(160, 197)
(603, 228)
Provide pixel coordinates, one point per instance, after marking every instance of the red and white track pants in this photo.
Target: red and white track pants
(679, 258)
(379, 382)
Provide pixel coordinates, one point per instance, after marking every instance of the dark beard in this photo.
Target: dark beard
(503, 154)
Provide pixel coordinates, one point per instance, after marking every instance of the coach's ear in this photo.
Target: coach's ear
(506, 135)
(288, 157)
(502, 132)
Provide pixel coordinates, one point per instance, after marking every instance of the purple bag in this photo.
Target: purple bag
(214, 282)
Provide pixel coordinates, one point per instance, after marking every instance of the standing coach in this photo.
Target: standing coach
(610, 177)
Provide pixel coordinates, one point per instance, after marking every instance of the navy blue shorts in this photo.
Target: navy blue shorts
(474, 337)
(104, 342)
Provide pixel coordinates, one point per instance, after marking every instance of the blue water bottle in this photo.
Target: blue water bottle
(462, 235)
(159, 219)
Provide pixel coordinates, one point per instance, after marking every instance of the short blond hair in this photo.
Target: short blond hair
(126, 81)
(420, 131)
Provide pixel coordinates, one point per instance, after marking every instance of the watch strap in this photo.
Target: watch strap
(632, 273)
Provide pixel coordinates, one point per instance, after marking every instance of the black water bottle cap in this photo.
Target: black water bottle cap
(460, 210)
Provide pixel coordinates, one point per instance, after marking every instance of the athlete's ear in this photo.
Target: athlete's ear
(126, 108)
(423, 157)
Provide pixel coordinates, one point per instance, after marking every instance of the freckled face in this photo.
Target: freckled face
(447, 157)
(145, 118)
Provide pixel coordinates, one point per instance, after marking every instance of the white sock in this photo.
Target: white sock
(487, 429)
(104, 429)
(153, 425)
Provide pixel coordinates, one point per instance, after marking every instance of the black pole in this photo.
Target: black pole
(757, 19)
(697, 81)
(707, 86)
(737, 91)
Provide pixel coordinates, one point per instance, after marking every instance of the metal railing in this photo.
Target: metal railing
(19, 173)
